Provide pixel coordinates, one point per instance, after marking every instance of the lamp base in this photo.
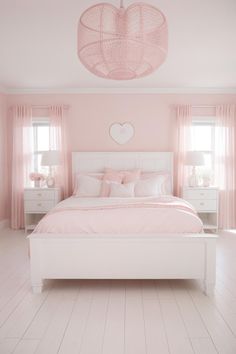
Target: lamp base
(194, 180)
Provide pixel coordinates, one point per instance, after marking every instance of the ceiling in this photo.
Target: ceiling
(39, 49)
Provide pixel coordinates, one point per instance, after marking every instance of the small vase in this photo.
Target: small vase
(36, 184)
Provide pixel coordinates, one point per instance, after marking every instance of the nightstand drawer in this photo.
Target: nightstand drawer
(38, 206)
(39, 194)
(204, 205)
(200, 194)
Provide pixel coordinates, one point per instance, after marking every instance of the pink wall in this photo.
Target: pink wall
(90, 116)
(3, 160)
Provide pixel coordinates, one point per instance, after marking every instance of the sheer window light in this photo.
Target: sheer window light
(41, 144)
(203, 140)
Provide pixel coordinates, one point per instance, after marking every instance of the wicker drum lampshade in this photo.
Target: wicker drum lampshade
(122, 44)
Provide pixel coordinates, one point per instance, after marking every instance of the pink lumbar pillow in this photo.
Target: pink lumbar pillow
(131, 176)
(113, 176)
(149, 187)
(122, 190)
(110, 176)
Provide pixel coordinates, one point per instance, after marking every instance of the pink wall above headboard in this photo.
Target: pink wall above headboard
(90, 116)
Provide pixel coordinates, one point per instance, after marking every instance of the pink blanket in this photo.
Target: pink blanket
(121, 215)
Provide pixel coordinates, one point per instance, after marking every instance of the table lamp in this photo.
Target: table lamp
(50, 158)
(194, 158)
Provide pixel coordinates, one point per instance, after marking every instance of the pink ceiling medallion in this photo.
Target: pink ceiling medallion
(122, 44)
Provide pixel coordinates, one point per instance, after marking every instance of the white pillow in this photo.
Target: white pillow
(149, 187)
(121, 190)
(88, 187)
(98, 176)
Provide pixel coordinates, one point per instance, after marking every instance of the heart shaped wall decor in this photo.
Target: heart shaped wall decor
(121, 133)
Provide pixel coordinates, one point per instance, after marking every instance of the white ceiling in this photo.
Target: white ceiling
(38, 48)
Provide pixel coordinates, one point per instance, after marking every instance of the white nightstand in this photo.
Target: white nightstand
(205, 201)
(37, 202)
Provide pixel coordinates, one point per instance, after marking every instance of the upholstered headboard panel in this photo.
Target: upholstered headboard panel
(147, 161)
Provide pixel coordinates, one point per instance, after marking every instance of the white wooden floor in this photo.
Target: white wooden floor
(115, 317)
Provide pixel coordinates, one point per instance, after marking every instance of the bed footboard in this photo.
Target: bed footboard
(167, 256)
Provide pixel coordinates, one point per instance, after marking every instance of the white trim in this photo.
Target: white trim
(100, 90)
(4, 224)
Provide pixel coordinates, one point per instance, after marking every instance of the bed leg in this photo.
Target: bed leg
(35, 266)
(210, 267)
(208, 288)
(37, 288)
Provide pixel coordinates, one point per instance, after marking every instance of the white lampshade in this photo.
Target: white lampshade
(195, 158)
(50, 158)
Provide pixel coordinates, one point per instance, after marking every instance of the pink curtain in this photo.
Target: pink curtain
(182, 145)
(225, 164)
(58, 141)
(21, 161)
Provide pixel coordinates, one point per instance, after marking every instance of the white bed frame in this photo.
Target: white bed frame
(142, 256)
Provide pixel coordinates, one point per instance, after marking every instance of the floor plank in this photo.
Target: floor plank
(26, 346)
(118, 317)
(72, 340)
(156, 339)
(177, 335)
(135, 336)
(114, 335)
(92, 341)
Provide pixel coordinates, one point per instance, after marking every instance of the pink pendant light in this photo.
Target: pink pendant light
(122, 44)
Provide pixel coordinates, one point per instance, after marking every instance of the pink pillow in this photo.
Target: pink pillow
(114, 176)
(110, 176)
(131, 176)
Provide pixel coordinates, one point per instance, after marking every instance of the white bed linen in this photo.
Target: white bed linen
(120, 215)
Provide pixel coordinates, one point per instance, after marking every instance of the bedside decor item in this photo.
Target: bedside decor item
(206, 181)
(122, 44)
(37, 178)
(51, 159)
(194, 158)
(121, 133)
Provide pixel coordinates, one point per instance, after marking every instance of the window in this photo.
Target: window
(203, 139)
(41, 143)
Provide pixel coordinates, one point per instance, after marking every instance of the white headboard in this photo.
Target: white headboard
(146, 161)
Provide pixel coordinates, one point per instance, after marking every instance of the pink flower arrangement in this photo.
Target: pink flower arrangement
(35, 176)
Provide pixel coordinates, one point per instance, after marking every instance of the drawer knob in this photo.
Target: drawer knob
(40, 194)
(39, 204)
(202, 194)
(202, 203)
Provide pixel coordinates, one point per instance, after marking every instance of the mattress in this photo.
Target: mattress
(166, 214)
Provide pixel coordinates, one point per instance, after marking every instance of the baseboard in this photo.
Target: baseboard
(4, 224)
